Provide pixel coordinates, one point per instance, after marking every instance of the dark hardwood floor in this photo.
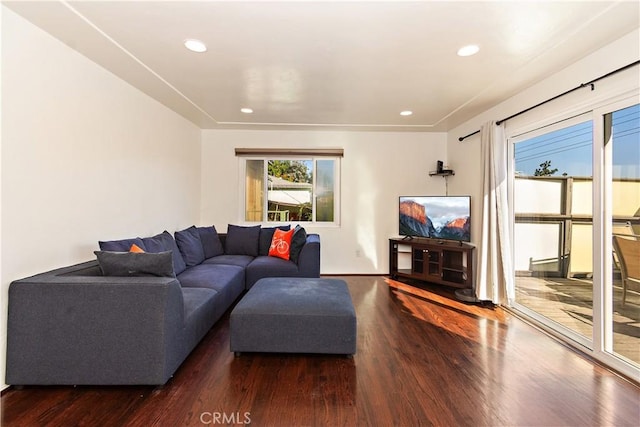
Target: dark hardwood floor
(422, 359)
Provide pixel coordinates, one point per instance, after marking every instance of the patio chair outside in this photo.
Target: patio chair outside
(628, 253)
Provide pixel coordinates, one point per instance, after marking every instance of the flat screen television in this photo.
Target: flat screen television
(436, 217)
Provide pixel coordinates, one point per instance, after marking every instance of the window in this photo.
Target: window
(285, 188)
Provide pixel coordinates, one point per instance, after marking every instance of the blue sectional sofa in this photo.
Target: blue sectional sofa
(128, 318)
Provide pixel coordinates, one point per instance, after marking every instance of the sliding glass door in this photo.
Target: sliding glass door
(576, 231)
(553, 225)
(621, 299)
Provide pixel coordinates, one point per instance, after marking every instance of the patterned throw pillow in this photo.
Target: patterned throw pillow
(266, 236)
(281, 244)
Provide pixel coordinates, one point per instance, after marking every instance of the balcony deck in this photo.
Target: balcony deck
(569, 302)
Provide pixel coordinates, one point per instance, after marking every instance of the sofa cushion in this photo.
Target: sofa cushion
(213, 276)
(266, 235)
(128, 264)
(202, 307)
(238, 260)
(281, 244)
(242, 240)
(226, 280)
(210, 241)
(268, 266)
(297, 242)
(164, 242)
(190, 246)
(123, 245)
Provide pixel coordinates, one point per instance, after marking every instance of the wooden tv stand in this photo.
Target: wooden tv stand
(436, 261)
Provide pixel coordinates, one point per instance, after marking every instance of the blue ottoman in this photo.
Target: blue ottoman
(295, 315)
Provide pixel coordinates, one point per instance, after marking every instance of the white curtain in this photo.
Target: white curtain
(495, 269)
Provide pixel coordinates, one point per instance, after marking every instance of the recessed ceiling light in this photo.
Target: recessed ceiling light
(246, 110)
(195, 45)
(406, 113)
(468, 50)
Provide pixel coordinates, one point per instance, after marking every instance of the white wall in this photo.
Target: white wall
(465, 156)
(85, 157)
(3, 299)
(376, 169)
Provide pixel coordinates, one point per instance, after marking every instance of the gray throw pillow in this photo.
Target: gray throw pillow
(131, 264)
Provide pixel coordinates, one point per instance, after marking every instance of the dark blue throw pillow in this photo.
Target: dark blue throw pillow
(190, 245)
(164, 242)
(297, 242)
(242, 240)
(211, 243)
(266, 235)
(123, 245)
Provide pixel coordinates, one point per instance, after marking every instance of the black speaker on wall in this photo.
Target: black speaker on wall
(440, 166)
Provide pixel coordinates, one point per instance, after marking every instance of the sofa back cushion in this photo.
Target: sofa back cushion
(242, 240)
(164, 242)
(190, 245)
(211, 243)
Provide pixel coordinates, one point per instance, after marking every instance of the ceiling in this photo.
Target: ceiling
(332, 65)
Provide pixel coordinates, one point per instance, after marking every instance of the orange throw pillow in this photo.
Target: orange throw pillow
(281, 244)
(135, 248)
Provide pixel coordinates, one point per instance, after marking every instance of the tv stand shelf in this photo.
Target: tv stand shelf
(436, 261)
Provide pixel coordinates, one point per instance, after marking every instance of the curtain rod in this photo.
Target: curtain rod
(333, 152)
(591, 84)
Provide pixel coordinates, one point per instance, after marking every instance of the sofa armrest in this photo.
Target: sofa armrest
(309, 258)
(72, 329)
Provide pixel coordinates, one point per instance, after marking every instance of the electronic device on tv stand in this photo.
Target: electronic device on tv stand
(443, 218)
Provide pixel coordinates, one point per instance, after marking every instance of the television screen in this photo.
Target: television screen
(437, 217)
